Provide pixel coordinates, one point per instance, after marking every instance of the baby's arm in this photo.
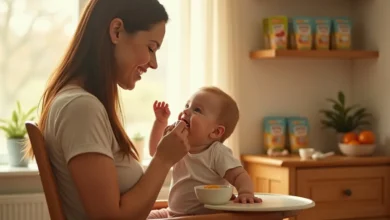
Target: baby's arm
(155, 135)
(161, 110)
(240, 179)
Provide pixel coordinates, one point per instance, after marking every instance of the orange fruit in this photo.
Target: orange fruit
(350, 136)
(366, 137)
(354, 142)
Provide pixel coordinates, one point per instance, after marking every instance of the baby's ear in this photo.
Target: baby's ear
(218, 132)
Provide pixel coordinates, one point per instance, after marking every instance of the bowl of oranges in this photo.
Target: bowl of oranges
(357, 144)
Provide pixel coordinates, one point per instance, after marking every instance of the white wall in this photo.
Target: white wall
(371, 79)
(286, 87)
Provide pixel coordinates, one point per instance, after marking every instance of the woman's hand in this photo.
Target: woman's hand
(161, 111)
(174, 145)
(168, 129)
(171, 127)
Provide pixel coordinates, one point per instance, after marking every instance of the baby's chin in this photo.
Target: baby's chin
(195, 143)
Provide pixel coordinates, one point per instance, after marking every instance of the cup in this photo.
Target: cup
(306, 153)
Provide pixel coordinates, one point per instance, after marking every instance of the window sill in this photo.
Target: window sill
(32, 169)
(17, 180)
(8, 171)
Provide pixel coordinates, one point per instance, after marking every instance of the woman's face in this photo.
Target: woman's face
(135, 53)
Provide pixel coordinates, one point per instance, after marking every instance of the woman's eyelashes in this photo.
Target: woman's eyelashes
(152, 48)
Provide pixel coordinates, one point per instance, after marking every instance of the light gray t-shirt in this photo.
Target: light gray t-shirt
(205, 168)
(78, 123)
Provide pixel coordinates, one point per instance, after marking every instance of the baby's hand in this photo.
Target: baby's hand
(247, 198)
(162, 112)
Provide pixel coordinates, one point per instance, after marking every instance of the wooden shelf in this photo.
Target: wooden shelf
(315, 54)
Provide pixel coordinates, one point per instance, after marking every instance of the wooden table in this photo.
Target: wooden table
(342, 187)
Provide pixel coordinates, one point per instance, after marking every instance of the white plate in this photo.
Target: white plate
(271, 203)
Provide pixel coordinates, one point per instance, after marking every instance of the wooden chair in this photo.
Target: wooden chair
(45, 172)
(54, 203)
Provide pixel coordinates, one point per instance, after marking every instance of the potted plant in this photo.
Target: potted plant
(343, 118)
(15, 131)
(139, 142)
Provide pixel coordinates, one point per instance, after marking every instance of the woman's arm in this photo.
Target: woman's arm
(98, 186)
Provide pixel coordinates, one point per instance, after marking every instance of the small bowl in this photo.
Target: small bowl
(357, 150)
(214, 194)
(306, 153)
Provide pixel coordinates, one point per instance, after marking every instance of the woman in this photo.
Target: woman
(94, 162)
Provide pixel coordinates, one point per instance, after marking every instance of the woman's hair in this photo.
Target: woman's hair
(90, 57)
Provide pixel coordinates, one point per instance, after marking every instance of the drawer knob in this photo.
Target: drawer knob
(347, 192)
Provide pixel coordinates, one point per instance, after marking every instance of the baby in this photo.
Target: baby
(211, 116)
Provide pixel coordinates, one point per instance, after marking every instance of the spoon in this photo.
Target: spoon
(319, 155)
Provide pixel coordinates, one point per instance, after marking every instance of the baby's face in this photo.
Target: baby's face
(201, 114)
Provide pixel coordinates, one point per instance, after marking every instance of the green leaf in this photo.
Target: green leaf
(349, 109)
(338, 108)
(329, 114)
(334, 102)
(328, 123)
(19, 107)
(343, 118)
(15, 126)
(341, 98)
(14, 117)
(359, 112)
(4, 121)
(349, 123)
(361, 116)
(7, 131)
(27, 115)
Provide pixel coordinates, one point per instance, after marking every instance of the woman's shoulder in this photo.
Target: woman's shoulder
(75, 98)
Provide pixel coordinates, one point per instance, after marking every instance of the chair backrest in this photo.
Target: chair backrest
(46, 173)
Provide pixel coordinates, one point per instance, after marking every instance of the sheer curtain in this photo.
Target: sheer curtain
(201, 51)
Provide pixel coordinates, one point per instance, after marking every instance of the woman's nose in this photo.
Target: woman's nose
(153, 62)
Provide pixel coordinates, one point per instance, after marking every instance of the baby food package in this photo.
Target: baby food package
(276, 32)
(298, 132)
(275, 129)
(322, 30)
(341, 33)
(301, 29)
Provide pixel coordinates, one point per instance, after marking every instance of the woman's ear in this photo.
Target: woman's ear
(116, 27)
(217, 132)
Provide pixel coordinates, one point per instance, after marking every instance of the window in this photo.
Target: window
(33, 37)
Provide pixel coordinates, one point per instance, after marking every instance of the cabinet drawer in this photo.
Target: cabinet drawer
(351, 192)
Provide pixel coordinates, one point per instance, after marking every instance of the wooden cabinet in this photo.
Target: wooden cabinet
(342, 187)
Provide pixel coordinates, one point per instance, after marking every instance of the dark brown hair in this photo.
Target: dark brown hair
(90, 58)
(229, 112)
